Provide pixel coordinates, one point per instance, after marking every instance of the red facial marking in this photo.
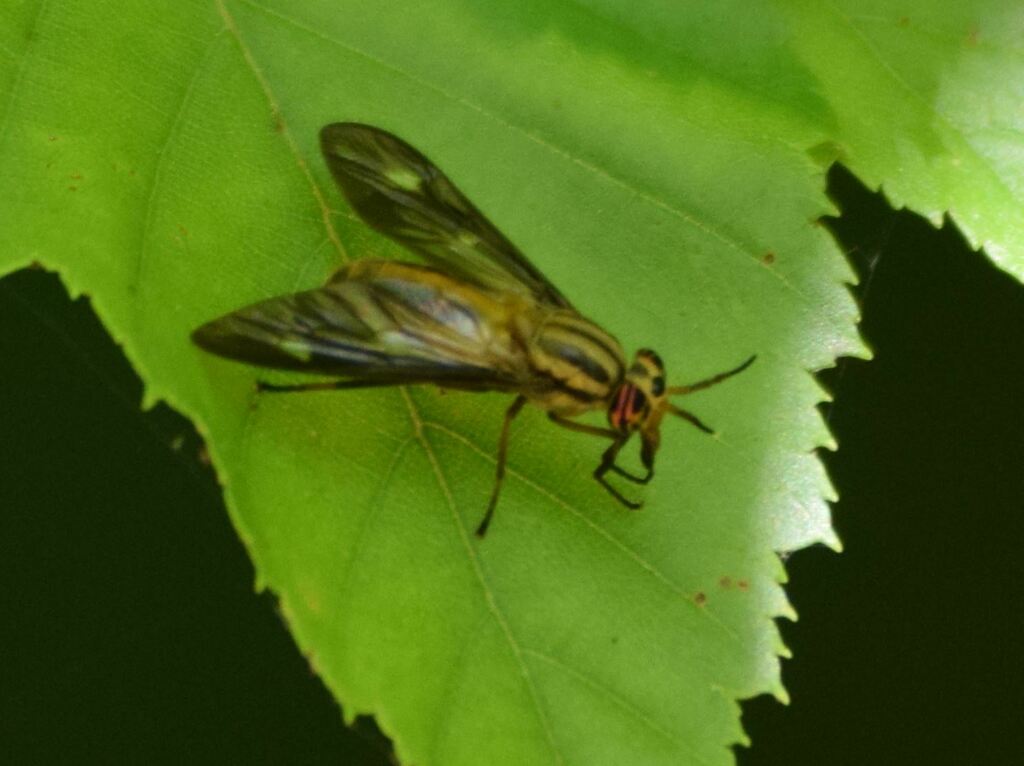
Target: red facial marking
(628, 407)
(619, 414)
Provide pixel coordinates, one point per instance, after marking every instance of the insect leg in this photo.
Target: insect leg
(320, 385)
(607, 464)
(607, 433)
(700, 385)
(632, 476)
(689, 416)
(510, 413)
(583, 428)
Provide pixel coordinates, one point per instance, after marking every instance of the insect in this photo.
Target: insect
(475, 316)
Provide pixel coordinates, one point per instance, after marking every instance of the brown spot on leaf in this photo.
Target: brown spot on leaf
(700, 598)
(768, 258)
(72, 188)
(312, 601)
(742, 584)
(904, 21)
(75, 176)
(725, 581)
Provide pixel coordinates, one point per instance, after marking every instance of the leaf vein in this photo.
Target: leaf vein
(478, 570)
(616, 699)
(730, 241)
(158, 171)
(357, 542)
(285, 131)
(903, 83)
(624, 549)
(20, 74)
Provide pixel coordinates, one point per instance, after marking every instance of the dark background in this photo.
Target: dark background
(129, 630)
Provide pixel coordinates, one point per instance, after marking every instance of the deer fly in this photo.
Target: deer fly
(476, 315)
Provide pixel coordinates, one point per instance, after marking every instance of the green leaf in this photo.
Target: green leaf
(925, 101)
(658, 164)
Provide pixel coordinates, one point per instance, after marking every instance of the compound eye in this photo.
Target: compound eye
(652, 356)
(658, 386)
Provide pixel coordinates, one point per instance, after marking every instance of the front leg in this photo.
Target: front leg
(583, 428)
(607, 433)
(645, 479)
(608, 464)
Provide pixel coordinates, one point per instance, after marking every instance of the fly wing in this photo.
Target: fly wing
(403, 195)
(388, 323)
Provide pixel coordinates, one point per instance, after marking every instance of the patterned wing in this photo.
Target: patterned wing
(404, 196)
(375, 321)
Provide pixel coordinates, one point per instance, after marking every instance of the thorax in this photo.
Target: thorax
(576, 365)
